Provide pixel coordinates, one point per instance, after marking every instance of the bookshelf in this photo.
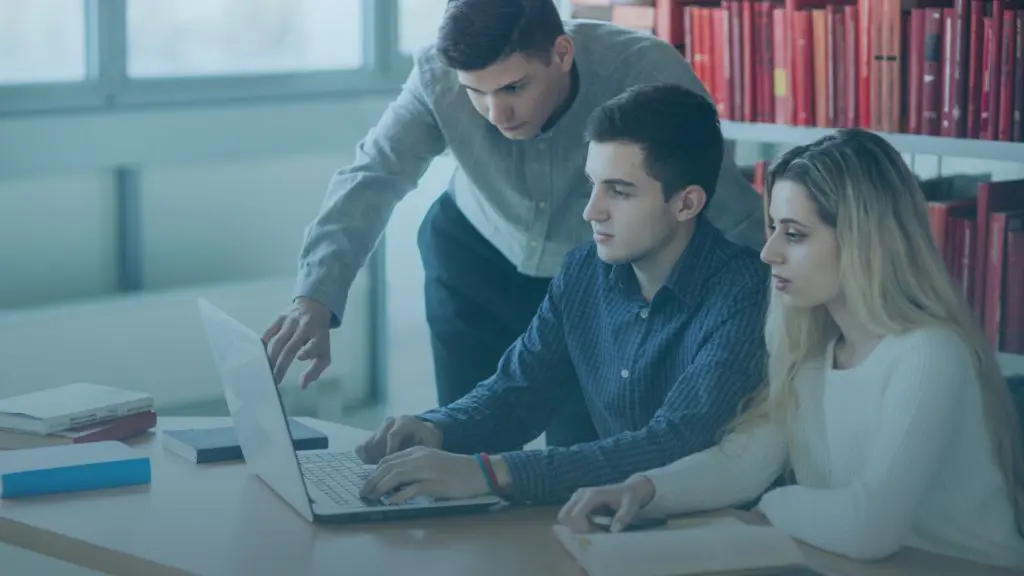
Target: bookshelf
(908, 143)
(941, 78)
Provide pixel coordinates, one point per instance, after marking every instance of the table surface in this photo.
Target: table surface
(217, 519)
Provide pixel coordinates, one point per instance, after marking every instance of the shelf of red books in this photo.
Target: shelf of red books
(950, 68)
(909, 143)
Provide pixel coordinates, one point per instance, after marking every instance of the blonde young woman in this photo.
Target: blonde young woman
(884, 400)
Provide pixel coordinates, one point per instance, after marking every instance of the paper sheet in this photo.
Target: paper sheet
(688, 546)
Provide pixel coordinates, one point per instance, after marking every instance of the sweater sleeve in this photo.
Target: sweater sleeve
(870, 517)
(737, 470)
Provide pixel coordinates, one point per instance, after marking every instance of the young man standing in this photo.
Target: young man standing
(657, 324)
(507, 89)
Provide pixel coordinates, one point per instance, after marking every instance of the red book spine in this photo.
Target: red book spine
(688, 40)
(993, 266)
(1013, 315)
(1018, 105)
(915, 66)
(767, 54)
(749, 90)
(803, 70)
(968, 265)
(1006, 96)
(866, 50)
(819, 60)
(700, 29)
(830, 67)
(838, 65)
(722, 38)
(975, 63)
(986, 78)
(948, 124)
(931, 87)
(734, 31)
(894, 109)
(781, 62)
(960, 41)
(852, 47)
(956, 245)
(995, 66)
(668, 23)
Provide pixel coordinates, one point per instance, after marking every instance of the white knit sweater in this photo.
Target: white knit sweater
(894, 452)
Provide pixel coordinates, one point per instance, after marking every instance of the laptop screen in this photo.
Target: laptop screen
(255, 405)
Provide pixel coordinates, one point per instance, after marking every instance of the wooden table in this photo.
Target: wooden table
(217, 519)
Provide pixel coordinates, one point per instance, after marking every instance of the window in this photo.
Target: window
(418, 21)
(228, 37)
(42, 41)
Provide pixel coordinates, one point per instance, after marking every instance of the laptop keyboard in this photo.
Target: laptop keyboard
(339, 475)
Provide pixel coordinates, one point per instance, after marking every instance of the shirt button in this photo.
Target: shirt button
(542, 204)
(542, 146)
(643, 313)
(533, 243)
(625, 373)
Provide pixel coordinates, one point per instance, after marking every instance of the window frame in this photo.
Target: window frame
(107, 86)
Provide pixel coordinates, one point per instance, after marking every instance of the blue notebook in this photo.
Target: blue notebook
(71, 468)
(202, 445)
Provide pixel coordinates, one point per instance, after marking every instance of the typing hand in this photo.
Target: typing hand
(625, 499)
(397, 434)
(426, 472)
(301, 333)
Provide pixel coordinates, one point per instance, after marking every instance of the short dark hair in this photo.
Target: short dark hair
(677, 129)
(475, 34)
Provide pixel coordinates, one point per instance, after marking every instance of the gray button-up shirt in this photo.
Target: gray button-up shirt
(526, 196)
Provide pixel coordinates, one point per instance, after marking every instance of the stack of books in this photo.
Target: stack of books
(75, 413)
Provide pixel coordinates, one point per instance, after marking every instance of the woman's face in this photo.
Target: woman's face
(802, 250)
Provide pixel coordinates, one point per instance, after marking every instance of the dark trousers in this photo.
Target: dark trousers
(478, 304)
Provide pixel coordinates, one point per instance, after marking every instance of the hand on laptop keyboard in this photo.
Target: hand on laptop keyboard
(397, 434)
(429, 472)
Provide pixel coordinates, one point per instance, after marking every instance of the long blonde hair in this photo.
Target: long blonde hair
(892, 276)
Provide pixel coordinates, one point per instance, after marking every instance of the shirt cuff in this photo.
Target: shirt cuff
(529, 475)
(324, 286)
(451, 440)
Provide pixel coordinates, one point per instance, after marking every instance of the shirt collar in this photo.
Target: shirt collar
(689, 271)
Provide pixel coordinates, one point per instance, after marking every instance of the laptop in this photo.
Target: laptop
(321, 485)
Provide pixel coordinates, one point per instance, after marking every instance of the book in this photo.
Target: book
(70, 406)
(202, 445)
(71, 468)
(691, 546)
(124, 428)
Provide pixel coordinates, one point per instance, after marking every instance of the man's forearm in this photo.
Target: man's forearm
(481, 421)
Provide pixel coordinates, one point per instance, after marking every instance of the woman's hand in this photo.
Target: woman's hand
(624, 500)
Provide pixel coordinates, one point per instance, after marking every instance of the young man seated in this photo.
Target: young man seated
(658, 322)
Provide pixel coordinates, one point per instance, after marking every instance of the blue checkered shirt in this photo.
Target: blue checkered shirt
(660, 379)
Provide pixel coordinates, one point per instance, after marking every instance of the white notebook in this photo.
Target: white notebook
(691, 546)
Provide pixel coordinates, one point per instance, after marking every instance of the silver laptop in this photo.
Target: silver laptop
(322, 485)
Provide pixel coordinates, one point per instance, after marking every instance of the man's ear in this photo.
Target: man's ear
(688, 202)
(563, 52)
